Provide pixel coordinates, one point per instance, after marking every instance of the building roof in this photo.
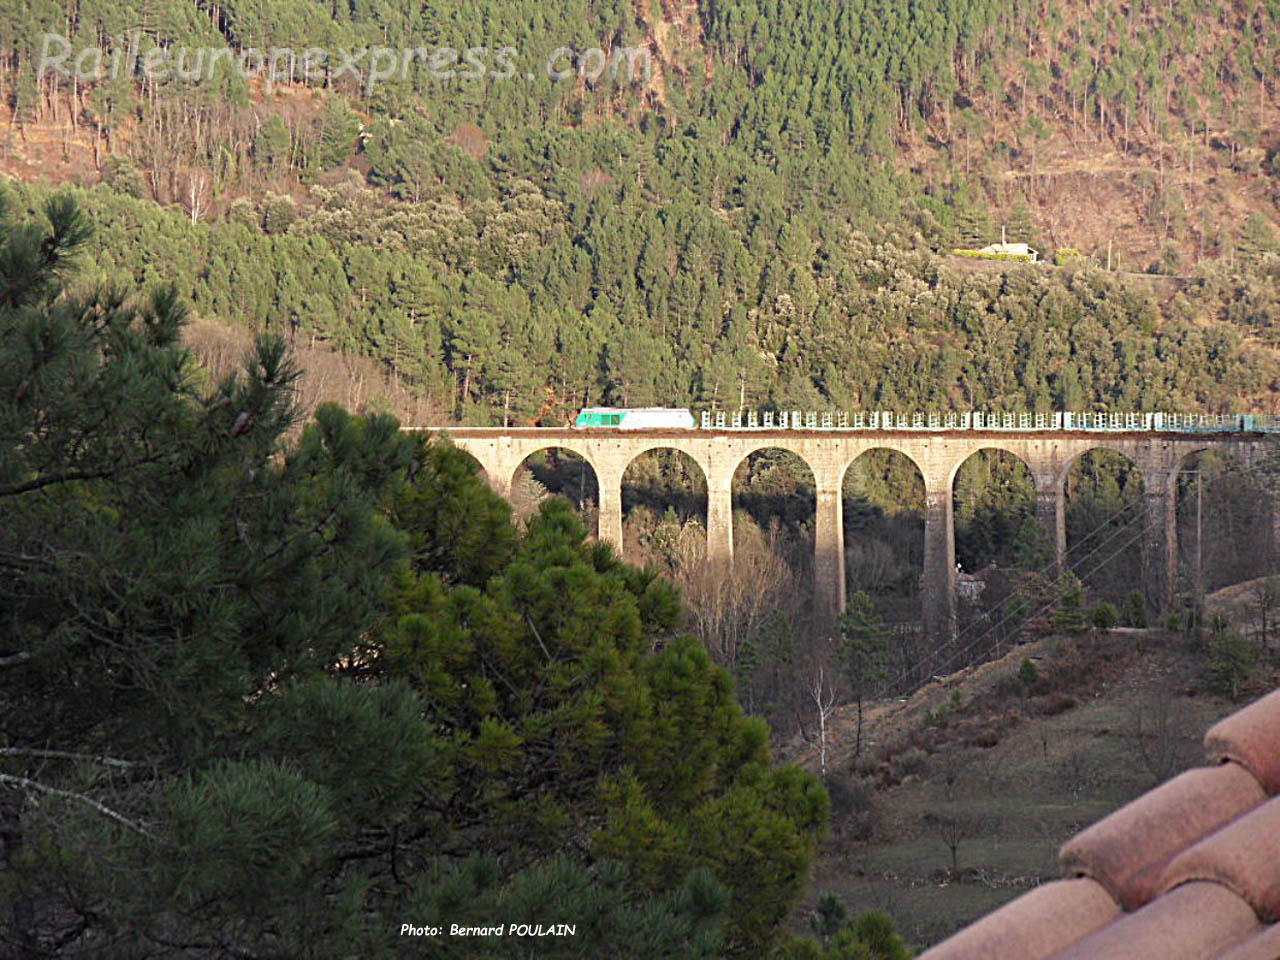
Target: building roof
(1188, 871)
(1018, 249)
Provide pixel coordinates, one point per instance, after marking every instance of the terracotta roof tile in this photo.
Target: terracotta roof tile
(1251, 737)
(1035, 926)
(1128, 851)
(1194, 922)
(1265, 946)
(1243, 856)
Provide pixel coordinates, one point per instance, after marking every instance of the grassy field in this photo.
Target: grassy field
(1004, 771)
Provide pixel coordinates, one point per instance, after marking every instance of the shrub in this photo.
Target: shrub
(1056, 703)
(850, 796)
(1068, 615)
(866, 766)
(1104, 616)
(875, 929)
(979, 255)
(913, 761)
(279, 212)
(1233, 658)
(242, 211)
(1028, 674)
(125, 176)
(1011, 686)
(1077, 772)
(1135, 610)
(830, 917)
(986, 738)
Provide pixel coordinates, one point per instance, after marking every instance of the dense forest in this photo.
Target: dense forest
(268, 696)
(753, 219)
(758, 215)
(510, 310)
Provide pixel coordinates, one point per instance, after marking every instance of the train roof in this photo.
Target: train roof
(635, 410)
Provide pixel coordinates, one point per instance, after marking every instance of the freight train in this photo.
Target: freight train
(671, 418)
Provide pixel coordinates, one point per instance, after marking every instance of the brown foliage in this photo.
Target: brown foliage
(1056, 702)
(726, 612)
(471, 140)
(594, 179)
(358, 383)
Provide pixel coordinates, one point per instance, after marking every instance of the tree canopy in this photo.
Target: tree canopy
(268, 697)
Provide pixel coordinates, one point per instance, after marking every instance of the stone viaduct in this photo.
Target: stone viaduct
(1048, 454)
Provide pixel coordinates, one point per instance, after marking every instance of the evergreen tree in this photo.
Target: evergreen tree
(339, 128)
(1032, 547)
(271, 147)
(246, 709)
(861, 653)
(1069, 613)
(163, 567)
(553, 711)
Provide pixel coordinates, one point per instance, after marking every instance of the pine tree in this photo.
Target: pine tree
(1032, 549)
(339, 129)
(271, 147)
(164, 569)
(861, 653)
(553, 710)
(1069, 613)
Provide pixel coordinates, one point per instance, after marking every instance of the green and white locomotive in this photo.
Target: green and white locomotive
(636, 418)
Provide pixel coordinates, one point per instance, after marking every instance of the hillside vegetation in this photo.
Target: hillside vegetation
(956, 800)
(279, 677)
(711, 229)
(503, 311)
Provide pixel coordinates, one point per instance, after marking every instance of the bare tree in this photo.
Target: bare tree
(727, 610)
(1163, 735)
(1076, 772)
(871, 563)
(990, 767)
(527, 495)
(221, 350)
(954, 766)
(824, 698)
(1266, 601)
(952, 827)
(198, 194)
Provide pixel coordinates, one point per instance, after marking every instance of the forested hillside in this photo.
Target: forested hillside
(502, 311)
(750, 218)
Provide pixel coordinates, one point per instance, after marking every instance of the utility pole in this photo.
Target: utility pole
(1197, 558)
(1199, 542)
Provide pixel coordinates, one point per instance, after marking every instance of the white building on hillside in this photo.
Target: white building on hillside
(1012, 249)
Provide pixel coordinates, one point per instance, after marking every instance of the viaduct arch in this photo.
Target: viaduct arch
(938, 455)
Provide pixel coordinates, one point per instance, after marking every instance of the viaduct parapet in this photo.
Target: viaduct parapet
(1048, 455)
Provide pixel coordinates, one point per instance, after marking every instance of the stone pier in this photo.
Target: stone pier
(1051, 510)
(828, 453)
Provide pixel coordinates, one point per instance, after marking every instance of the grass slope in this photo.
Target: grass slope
(1007, 770)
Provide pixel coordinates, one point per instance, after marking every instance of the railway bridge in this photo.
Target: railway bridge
(1158, 449)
